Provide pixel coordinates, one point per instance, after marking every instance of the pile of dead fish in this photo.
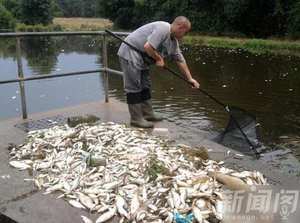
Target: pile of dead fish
(119, 173)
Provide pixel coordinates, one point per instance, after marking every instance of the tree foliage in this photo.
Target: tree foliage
(77, 8)
(254, 18)
(36, 12)
(56, 11)
(7, 20)
(294, 19)
(13, 6)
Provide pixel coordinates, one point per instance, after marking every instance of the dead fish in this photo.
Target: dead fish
(56, 187)
(86, 201)
(43, 165)
(21, 165)
(141, 215)
(219, 209)
(86, 219)
(135, 204)
(183, 195)
(170, 201)
(75, 184)
(198, 215)
(182, 183)
(76, 204)
(176, 199)
(107, 215)
(201, 204)
(186, 185)
(121, 203)
(170, 218)
(111, 185)
(152, 207)
(67, 186)
(103, 208)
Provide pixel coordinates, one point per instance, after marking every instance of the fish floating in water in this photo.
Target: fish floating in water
(114, 171)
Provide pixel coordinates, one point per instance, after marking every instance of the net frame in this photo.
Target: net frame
(242, 131)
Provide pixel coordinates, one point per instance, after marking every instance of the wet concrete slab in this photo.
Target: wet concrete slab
(21, 201)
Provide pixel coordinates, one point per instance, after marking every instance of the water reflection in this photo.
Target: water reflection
(41, 54)
(49, 55)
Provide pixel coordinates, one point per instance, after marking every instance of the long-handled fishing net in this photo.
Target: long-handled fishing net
(241, 130)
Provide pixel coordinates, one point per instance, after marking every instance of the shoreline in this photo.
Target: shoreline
(280, 46)
(260, 46)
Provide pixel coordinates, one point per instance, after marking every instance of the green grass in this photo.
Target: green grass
(281, 47)
(67, 24)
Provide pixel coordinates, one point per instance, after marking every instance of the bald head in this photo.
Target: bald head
(180, 26)
(182, 20)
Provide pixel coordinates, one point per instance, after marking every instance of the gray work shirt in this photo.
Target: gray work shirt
(158, 35)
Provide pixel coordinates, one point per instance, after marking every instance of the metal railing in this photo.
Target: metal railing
(105, 70)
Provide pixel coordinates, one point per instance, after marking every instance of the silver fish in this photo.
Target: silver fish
(107, 215)
(135, 204)
(21, 165)
(121, 203)
(86, 219)
(76, 204)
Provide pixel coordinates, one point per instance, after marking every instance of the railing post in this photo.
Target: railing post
(105, 65)
(21, 75)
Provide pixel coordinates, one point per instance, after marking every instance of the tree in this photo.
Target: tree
(36, 12)
(254, 18)
(55, 9)
(119, 11)
(89, 8)
(13, 6)
(294, 20)
(77, 8)
(7, 20)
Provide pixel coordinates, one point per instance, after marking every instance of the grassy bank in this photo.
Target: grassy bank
(67, 24)
(281, 47)
(82, 24)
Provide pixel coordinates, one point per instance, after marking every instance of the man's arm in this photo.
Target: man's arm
(183, 67)
(154, 54)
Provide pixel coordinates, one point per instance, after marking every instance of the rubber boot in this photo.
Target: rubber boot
(136, 116)
(148, 112)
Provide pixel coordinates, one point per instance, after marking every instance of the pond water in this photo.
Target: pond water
(267, 86)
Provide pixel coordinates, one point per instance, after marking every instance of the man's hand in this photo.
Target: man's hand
(160, 62)
(194, 83)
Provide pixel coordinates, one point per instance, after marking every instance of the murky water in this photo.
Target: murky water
(267, 86)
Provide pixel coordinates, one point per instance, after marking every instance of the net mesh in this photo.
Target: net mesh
(234, 138)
